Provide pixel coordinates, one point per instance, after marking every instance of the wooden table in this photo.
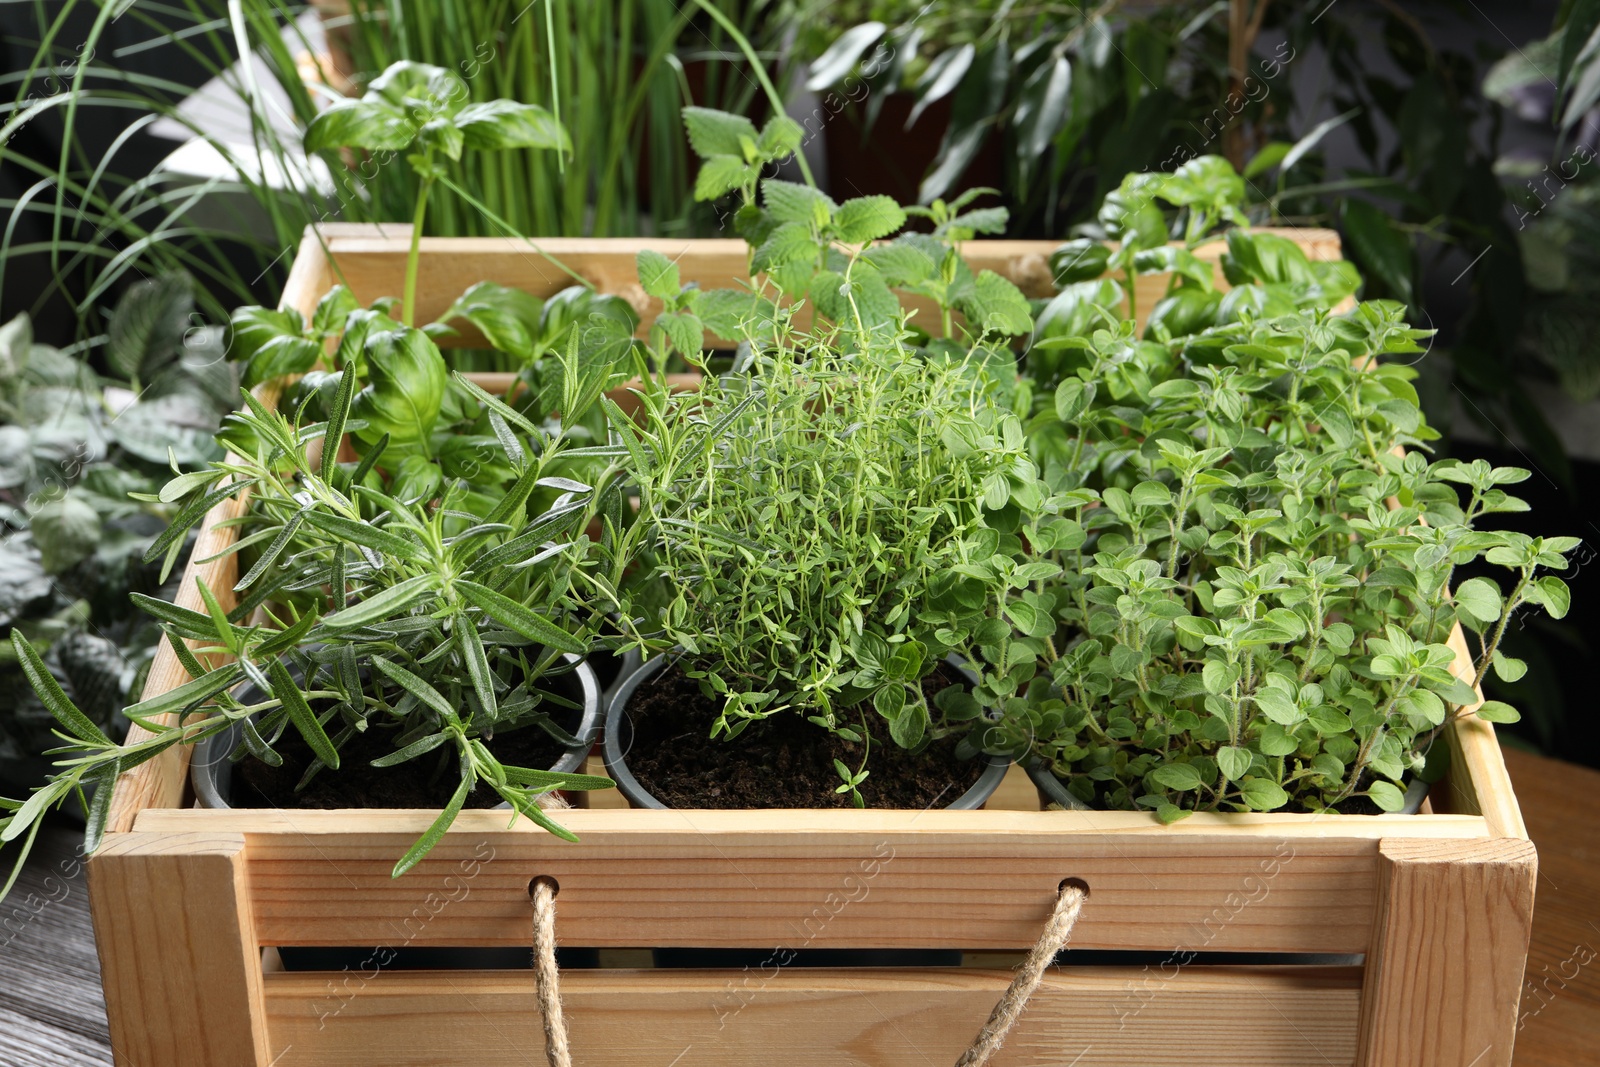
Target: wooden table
(52, 1015)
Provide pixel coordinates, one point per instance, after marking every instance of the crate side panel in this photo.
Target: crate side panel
(1110, 1017)
(668, 882)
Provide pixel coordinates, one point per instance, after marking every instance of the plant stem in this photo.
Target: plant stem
(408, 307)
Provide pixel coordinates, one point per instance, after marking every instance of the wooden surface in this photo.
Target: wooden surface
(52, 1014)
(1438, 992)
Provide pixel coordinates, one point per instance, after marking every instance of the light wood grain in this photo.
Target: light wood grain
(1445, 968)
(178, 957)
(1101, 1017)
(981, 880)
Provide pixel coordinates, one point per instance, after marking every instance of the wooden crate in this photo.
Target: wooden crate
(186, 900)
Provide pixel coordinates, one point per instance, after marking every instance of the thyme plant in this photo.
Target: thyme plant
(825, 503)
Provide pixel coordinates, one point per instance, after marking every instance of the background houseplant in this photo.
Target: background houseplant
(82, 460)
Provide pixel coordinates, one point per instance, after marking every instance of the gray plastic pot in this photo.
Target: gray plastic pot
(619, 735)
(211, 771)
(1053, 791)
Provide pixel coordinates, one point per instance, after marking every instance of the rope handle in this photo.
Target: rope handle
(546, 976)
(1057, 931)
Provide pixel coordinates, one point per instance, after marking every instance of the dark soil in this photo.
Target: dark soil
(429, 781)
(781, 762)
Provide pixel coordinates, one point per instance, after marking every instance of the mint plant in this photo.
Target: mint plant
(1144, 216)
(815, 250)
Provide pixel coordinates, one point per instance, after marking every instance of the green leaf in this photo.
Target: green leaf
(517, 617)
(686, 332)
(66, 529)
(147, 327)
(435, 832)
(1480, 599)
(509, 319)
(717, 133)
(1182, 777)
(1553, 593)
(390, 602)
(300, 713)
(356, 532)
(1507, 668)
(50, 694)
(658, 275)
(790, 242)
(406, 379)
(998, 305)
(498, 124)
(1263, 794)
(721, 175)
(271, 343)
(1498, 711)
(1233, 762)
(333, 436)
(868, 218)
(478, 667)
(417, 687)
(1386, 795)
(790, 202)
(420, 747)
(1379, 247)
(365, 123)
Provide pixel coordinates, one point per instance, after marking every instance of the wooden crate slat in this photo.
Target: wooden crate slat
(374, 266)
(1085, 1017)
(177, 953)
(668, 878)
(1444, 972)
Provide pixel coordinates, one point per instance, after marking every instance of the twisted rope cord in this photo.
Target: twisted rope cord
(546, 977)
(1027, 978)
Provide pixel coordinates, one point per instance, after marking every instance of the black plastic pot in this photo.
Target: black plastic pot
(211, 773)
(619, 737)
(1053, 791)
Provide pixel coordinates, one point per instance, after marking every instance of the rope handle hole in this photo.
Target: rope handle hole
(1074, 883)
(544, 879)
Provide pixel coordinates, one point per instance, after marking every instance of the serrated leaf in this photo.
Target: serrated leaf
(658, 275)
(717, 133)
(867, 218)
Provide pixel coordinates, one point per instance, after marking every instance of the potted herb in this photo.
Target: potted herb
(813, 514)
(417, 616)
(1250, 559)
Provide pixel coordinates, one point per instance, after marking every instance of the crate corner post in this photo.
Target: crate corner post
(179, 959)
(1453, 916)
